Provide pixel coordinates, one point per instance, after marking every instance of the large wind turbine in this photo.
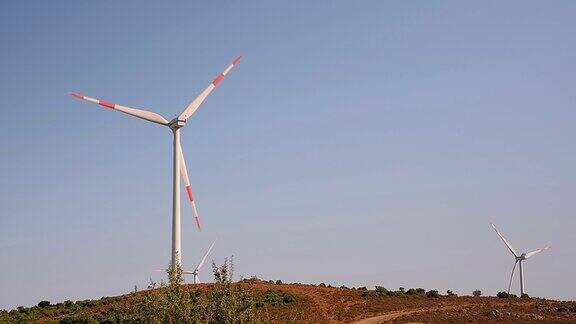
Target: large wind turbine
(178, 157)
(199, 266)
(518, 260)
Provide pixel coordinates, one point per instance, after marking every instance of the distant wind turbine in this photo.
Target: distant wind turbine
(518, 260)
(178, 157)
(199, 266)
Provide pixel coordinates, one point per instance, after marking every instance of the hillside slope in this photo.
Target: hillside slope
(315, 304)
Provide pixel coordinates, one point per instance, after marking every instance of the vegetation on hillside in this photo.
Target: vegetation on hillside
(170, 302)
(257, 301)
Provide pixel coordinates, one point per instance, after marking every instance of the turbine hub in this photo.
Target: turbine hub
(176, 123)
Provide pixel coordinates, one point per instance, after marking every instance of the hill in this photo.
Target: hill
(300, 303)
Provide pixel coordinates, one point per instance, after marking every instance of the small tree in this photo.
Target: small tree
(278, 282)
(432, 294)
(381, 290)
(503, 294)
(476, 293)
(450, 293)
(43, 304)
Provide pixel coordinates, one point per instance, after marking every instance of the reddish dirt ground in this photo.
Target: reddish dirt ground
(337, 305)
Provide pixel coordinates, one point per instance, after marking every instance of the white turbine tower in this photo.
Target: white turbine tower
(178, 157)
(199, 266)
(518, 260)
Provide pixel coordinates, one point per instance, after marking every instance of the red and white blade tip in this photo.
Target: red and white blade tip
(237, 60)
(76, 95)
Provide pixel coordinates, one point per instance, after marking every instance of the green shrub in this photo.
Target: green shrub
(83, 319)
(449, 293)
(272, 297)
(43, 304)
(476, 293)
(503, 294)
(381, 290)
(432, 294)
(278, 282)
(289, 298)
(415, 291)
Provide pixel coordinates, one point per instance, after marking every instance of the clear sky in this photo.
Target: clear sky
(358, 143)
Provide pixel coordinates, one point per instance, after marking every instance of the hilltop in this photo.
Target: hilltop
(302, 303)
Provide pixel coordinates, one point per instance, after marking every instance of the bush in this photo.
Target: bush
(524, 295)
(271, 297)
(278, 282)
(381, 290)
(417, 291)
(85, 303)
(43, 304)
(289, 298)
(322, 284)
(449, 293)
(432, 294)
(476, 293)
(503, 294)
(401, 289)
(85, 319)
(275, 298)
(271, 281)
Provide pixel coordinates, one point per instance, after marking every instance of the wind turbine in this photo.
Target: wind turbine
(199, 266)
(178, 157)
(518, 260)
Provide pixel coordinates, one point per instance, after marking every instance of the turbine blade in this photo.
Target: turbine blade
(146, 115)
(187, 272)
(505, 242)
(186, 179)
(205, 256)
(529, 254)
(512, 276)
(193, 106)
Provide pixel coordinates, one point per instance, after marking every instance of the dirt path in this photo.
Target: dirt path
(395, 314)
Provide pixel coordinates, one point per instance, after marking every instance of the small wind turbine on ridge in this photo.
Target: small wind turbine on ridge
(195, 279)
(518, 260)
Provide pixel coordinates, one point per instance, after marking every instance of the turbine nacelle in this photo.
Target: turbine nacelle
(176, 123)
(521, 257)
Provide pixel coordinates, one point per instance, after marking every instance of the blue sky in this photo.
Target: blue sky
(358, 143)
